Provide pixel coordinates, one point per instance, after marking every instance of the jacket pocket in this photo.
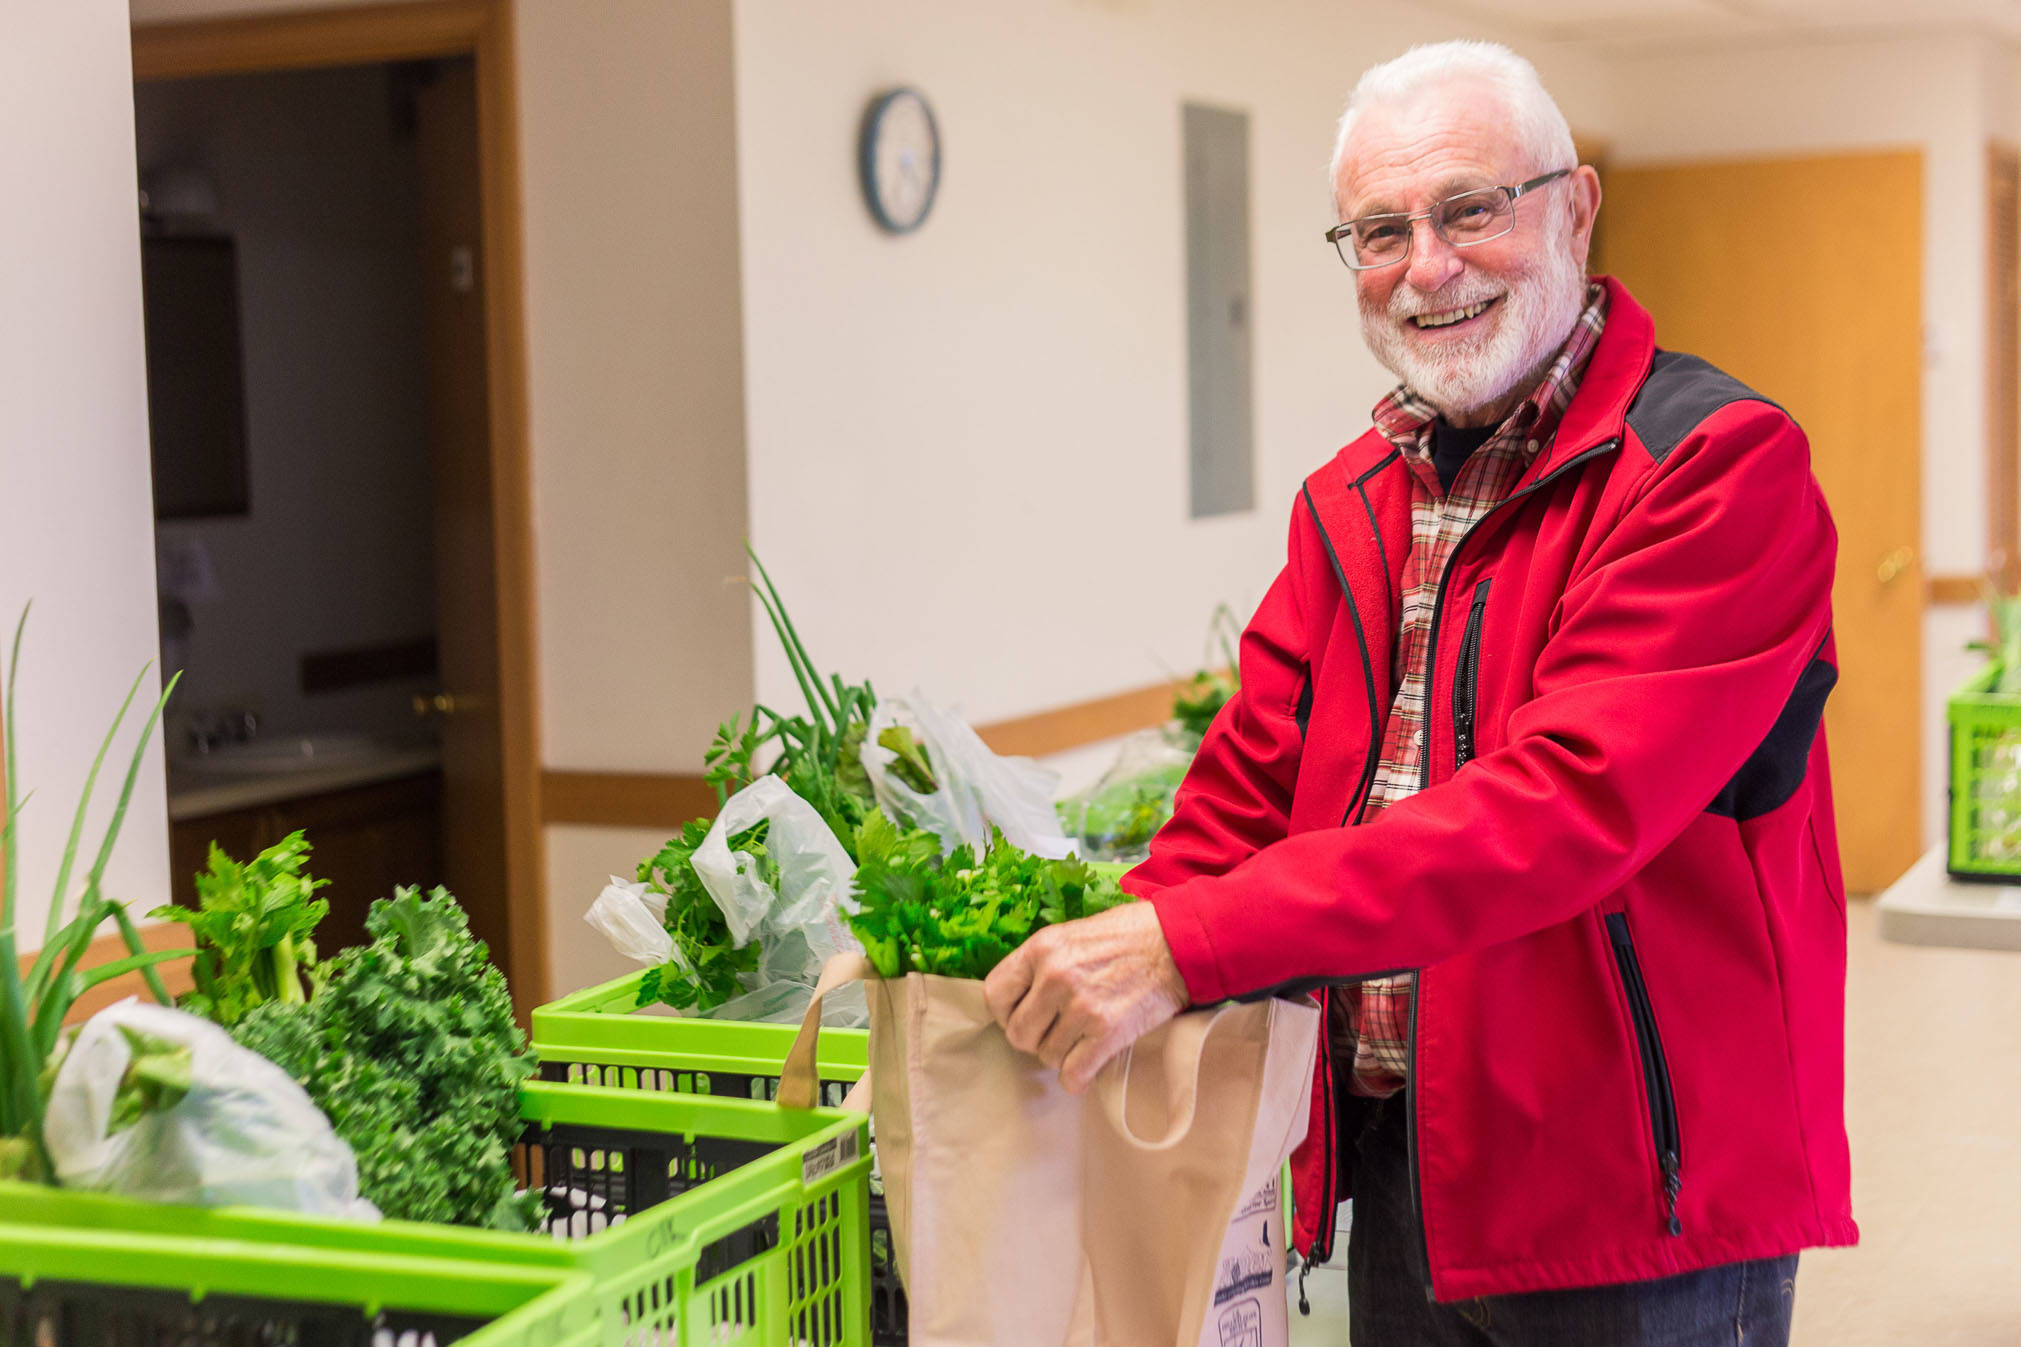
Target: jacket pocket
(1467, 678)
(1655, 1070)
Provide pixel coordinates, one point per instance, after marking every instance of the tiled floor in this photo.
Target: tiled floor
(1933, 1097)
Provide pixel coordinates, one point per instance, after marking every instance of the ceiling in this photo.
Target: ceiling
(1645, 23)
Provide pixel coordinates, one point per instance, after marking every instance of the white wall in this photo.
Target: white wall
(76, 517)
(1944, 95)
(968, 446)
(321, 193)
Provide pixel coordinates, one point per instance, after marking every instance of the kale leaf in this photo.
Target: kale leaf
(410, 1048)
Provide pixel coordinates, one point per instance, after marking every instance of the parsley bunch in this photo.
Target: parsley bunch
(962, 916)
(252, 924)
(410, 1048)
(703, 973)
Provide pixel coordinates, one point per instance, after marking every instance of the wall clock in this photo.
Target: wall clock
(898, 155)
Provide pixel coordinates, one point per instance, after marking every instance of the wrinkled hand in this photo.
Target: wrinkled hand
(1078, 993)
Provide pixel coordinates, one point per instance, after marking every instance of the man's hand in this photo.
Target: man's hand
(1079, 993)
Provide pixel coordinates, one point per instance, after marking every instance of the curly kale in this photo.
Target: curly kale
(703, 973)
(963, 916)
(410, 1048)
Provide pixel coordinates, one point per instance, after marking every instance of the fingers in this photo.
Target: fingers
(1061, 1036)
(1087, 1058)
(1007, 984)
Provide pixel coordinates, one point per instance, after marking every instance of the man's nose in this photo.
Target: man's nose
(1433, 261)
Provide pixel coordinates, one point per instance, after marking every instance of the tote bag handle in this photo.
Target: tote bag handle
(798, 1085)
(1185, 1045)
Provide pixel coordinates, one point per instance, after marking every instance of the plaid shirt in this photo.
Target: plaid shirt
(1372, 1019)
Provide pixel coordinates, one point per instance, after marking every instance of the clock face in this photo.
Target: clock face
(900, 160)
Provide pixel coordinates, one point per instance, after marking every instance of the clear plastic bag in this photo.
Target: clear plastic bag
(631, 916)
(242, 1130)
(977, 788)
(1115, 819)
(814, 870)
(800, 926)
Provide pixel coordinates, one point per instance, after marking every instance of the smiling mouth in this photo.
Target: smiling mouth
(1425, 322)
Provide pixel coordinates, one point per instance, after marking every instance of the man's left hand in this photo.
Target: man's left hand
(1077, 994)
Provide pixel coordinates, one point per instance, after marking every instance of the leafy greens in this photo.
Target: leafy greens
(703, 972)
(410, 1048)
(253, 924)
(34, 1006)
(963, 916)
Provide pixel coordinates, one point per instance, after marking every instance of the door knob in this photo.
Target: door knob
(441, 704)
(1895, 563)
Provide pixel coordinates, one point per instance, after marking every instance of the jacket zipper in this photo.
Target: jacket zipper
(1655, 1070)
(1424, 781)
(1467, 678)
(1439, 599)
(1358, 806)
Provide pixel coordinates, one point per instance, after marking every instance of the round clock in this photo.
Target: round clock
(899, 155)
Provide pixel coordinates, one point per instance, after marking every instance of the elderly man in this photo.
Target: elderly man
(1525, 780)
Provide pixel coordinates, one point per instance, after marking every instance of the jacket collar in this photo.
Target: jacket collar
(1620, 365)
(1598, 412)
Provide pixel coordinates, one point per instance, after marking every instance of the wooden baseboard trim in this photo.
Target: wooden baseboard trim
(1088, 722)
(666, 800)
(1954, 589)
(175, 975)
(624, 799)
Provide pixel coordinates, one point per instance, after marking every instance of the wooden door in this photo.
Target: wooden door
(1802, 277)
(459, 432)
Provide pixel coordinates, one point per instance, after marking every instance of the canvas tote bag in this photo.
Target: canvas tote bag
(1025, 1216)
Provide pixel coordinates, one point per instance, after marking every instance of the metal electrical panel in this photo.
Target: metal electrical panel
(1218, 317)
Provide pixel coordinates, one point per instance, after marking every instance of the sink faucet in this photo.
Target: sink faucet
(237, 725)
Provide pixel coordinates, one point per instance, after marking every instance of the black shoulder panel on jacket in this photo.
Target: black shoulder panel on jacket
(1774, 770)
(1681, 392)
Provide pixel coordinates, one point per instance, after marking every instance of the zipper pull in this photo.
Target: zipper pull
(1304, 1305)
(1673, 1184)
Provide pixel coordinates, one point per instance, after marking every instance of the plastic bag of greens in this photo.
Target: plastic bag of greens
(1115, 819)
(814, 870)
(799, 924)
(630, 916)
(159, 1104)
(930, 769)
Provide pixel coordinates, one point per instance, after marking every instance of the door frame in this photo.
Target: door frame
(417, 30)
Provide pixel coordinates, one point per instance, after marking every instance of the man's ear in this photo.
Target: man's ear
(1584, 190)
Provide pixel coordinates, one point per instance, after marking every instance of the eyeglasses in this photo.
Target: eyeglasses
(1462, 221)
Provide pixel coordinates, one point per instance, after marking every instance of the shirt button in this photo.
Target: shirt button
(1418, 739)
(1532, 446)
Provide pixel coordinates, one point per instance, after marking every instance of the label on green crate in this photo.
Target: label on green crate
(822, 1160)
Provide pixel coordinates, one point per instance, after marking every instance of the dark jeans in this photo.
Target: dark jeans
(1389, 1300)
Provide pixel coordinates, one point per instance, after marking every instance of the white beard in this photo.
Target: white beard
(1537, 311)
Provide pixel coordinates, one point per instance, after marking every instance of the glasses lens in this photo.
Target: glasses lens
(1473, 217)
(1379, 239)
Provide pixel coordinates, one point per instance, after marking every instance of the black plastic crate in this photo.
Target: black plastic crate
(95, 1314)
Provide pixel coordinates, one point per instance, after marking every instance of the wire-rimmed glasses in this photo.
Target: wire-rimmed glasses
(1462, 220)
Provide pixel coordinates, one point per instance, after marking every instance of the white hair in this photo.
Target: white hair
(1540, 128)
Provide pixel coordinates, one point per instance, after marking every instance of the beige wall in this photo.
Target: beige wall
(1944, 95)
(76, 511)
(968, 446)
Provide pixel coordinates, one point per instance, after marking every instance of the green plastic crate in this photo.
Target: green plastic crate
(1985, 842)
(602, 1036)
(702, 1221)
(68, 1284)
